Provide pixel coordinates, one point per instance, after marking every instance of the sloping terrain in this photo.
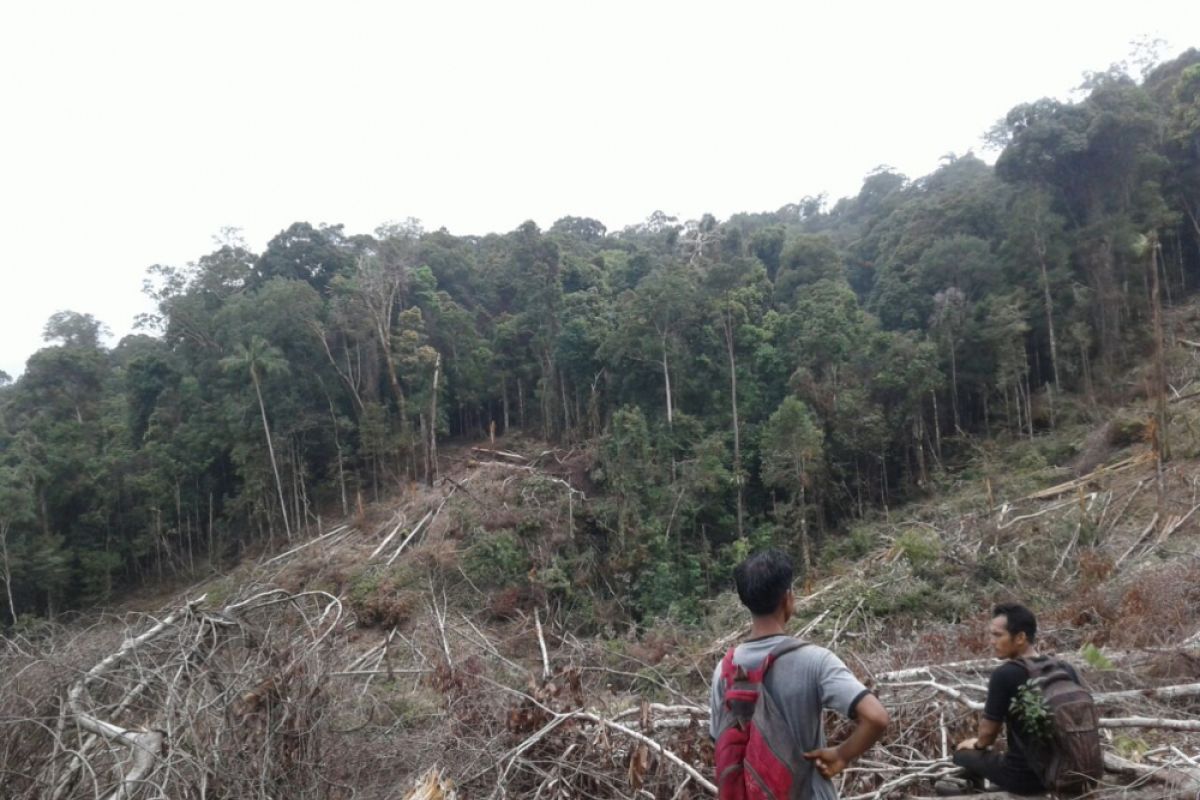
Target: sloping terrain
(430, 630)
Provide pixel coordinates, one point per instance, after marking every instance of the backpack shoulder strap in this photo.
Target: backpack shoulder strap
(783, 648)
(728, 669)
(1046, 671)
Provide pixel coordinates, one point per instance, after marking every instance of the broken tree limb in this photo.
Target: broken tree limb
(653, 745)
(430, 518)
(407, 539)
(1138, 541)
(1005, 525)
(388, 538)
(537, 472)
(1069, 486)
(146, 746)
(309, 543)
(949, 691)
(1151, 722)
(500, 454)
(1185, 779)
(537, 621)
(912, 672)
(1156, 693)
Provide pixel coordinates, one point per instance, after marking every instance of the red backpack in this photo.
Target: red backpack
(757, 758)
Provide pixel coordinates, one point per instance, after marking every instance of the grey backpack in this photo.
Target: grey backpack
(1068, 759)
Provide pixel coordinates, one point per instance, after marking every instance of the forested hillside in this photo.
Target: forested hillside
(769, 377)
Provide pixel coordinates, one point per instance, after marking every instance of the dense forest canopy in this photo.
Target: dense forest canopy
(761, 378)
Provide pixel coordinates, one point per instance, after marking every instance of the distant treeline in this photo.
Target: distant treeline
(756, 378)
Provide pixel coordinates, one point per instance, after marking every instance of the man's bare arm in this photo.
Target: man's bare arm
(872, 719)
(989, 731)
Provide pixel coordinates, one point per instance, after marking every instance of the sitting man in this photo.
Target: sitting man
(802, 681)
(1013, 632)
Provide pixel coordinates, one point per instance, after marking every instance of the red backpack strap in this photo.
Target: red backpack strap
(728, 669)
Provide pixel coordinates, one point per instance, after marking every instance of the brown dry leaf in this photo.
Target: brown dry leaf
(639, 765)
(431, 786)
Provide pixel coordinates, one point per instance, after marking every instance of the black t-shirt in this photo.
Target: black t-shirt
(1002, 688)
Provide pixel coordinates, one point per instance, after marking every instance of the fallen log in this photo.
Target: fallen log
(1071, 485)
(1155, 693)
(500, 454)
(1184, 781)
(145, 746)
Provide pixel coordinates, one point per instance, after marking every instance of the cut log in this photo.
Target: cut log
(500, 454)
(1072, 485)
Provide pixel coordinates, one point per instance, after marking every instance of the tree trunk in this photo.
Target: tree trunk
(667, 379)
(12, 606)
(431, 462)
(1040, 247)
(271, 451)
(954, 386)
(504, 394)
(521, 402)
(1162, 443)
(937, 425)
(337, 444)
(566, 406)
(727, 323)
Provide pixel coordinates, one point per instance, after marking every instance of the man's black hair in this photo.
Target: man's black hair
(1017, 619)
(762, 581)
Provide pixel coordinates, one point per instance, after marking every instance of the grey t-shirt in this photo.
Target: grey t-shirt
(803, 683)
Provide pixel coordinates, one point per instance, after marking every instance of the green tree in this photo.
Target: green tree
(259, 358)
(793, 454)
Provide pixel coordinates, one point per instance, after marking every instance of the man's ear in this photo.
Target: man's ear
(789, 604)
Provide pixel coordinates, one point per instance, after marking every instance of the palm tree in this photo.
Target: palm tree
(260, 357)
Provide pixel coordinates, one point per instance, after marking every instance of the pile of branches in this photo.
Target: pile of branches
(1152, 742)
(195, 703)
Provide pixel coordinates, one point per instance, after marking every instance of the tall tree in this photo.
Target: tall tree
(259, 358)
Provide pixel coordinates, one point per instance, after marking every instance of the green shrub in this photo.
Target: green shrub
(859, 541)
(919, 548)
(497, 559)
(1094, 657)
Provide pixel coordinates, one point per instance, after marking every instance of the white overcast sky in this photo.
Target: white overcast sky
(130, 133)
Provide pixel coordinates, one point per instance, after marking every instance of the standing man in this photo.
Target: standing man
(800, 681)
(1013, 632)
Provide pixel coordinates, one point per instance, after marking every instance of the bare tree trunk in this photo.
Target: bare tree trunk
(504, 391)
(954, 383)
(431, 462)
(727, 323)
(521, 402)
(337, 444)
(937, 424)
(12, 606)
(666, 378)
(1162, 450)
(271, 451)
(1040, 247)
(566, 406)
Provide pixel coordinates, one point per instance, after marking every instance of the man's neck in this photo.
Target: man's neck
(763, 627)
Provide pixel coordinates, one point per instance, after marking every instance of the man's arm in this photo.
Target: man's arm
(989, 731)
(1002, 686)
(872, 719)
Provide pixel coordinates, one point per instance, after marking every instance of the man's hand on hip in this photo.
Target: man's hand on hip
(827, 761)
